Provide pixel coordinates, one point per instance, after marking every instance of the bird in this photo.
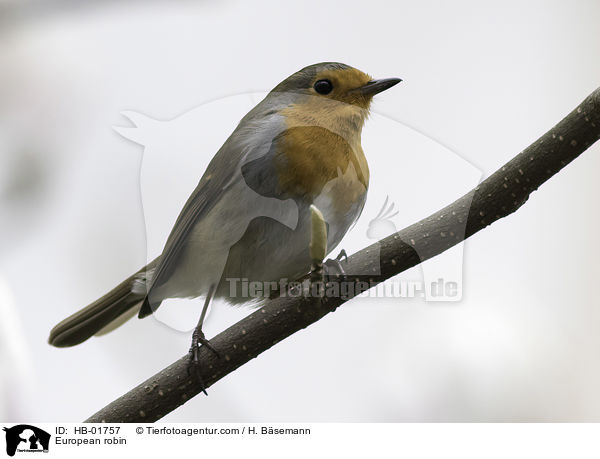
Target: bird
(249, 217)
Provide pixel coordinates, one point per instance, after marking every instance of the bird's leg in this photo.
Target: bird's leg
(319, 270)
(318, 244)
(198, 338)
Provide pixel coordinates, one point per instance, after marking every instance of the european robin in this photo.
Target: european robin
(249, 217)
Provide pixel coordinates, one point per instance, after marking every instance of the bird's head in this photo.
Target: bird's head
(330, 93)
(335, 81)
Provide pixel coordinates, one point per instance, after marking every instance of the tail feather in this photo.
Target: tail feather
(103, 315)
(119, 320)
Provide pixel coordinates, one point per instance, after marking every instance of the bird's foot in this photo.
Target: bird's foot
(335, 264)
(198, 339)
(329, 272)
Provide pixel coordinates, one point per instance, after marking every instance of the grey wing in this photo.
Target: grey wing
(202, 200)
(225, 168)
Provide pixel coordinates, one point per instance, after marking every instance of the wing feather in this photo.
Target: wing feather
(222, 172)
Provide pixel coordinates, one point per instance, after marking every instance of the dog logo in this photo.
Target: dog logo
(26, 438)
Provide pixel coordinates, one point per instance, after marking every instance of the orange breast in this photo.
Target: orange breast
(310, 157)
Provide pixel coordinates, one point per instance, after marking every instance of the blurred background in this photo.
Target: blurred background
(482, 80)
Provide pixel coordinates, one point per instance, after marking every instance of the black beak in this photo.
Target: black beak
(376, 86)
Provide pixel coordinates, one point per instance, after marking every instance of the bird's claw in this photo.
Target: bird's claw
(336, 263)
(194, 368)
(330, 269)
(343, 255)
(198, 339)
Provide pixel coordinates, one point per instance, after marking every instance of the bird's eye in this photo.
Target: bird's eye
(323, 86)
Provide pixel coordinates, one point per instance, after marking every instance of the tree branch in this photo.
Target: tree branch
(498, 196)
